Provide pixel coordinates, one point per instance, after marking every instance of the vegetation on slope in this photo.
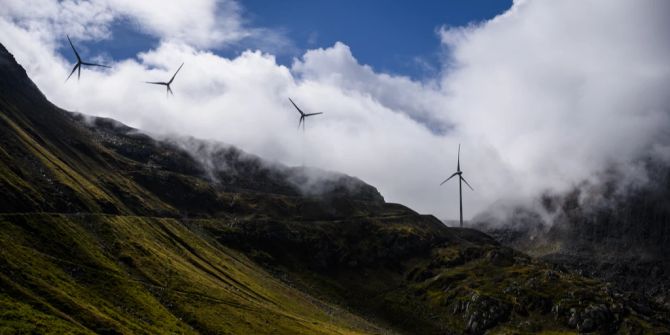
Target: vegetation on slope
(127, 274)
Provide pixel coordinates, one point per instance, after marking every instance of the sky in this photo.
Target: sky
(402, 40)
(542, 95)
(398, 37)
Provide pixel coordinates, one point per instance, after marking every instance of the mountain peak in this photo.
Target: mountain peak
(15, 80)
(202, 169)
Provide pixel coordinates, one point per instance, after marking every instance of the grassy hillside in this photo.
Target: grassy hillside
(106, 230)
(127, 274)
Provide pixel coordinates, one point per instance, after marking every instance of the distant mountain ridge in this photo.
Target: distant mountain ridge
(609, 231)
(129, 152)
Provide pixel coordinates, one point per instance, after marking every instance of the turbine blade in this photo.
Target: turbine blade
(466, 183)
(452, 176)
(73, 49)
(458, 162)
(310, 114)
(170, 90)
(93, 64)
(79, 72)
(296, 107)
(156, 82)
(73, 69)
(175, 74)
(300, 122)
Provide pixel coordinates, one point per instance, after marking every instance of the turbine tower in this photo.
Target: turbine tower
(459, 173)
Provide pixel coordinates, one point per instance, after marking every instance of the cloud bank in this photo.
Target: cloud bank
(541, 97)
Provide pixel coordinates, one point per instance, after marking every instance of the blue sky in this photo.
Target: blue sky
(391, 36)
(396, 37)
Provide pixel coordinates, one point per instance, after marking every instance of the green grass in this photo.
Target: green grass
(146, 276)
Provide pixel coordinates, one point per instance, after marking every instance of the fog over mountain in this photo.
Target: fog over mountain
(542, 97)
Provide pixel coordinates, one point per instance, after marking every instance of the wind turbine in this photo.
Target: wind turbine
(77, 67)
(459, 173)
(167, 84)
(303, 115)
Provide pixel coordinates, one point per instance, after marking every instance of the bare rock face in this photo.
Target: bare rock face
(484, 313)
(617, 233)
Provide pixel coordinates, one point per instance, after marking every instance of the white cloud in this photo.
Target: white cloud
(200, 23)
(337, 66)
(562, 89)
(542, 96)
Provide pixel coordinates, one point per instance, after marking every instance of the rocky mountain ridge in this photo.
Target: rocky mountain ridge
(610, 231)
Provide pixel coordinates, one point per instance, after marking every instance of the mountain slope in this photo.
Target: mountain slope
(90, 241)
(610, 231)
(107, 230)
(162, 279)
